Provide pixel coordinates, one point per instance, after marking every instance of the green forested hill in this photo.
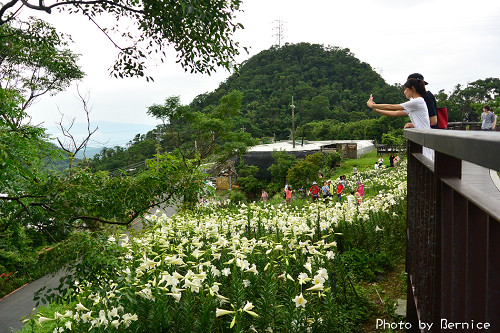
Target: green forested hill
(326, 83)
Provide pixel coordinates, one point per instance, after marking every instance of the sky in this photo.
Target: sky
(449, 41)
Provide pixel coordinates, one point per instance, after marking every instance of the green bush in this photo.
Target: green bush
(237, 196)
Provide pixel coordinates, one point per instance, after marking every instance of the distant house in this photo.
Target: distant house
(261, 155)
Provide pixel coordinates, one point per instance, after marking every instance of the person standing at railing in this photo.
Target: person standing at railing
(430, 101)
(488, 119)
(415, 108)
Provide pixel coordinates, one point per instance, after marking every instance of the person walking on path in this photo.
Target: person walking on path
(488, 119)
(314, 191)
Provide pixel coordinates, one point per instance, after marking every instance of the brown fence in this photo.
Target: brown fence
(453, 232)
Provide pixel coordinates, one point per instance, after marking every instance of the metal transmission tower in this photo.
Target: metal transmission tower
(280, 31)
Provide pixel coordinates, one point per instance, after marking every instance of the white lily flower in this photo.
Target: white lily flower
(176, 295)
(252, 269)
(42, 319)
(300, 301)
(115, 323)
(316, 287)
(318, 279)
(222, 312)
(303, 278)
(80, 307)
(128, 318)
(323, 273)
(86, 317)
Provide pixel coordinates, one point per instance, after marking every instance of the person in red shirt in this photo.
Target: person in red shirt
(340, 191)
(314, 191)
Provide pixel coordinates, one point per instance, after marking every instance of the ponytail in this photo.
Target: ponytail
(418, 84)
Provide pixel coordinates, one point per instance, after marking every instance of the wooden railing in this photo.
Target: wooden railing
(467, 126)
(453, 233)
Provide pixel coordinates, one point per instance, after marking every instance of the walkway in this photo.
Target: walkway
(20, 303)
(481, 179)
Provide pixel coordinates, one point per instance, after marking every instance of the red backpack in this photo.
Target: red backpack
(442, 117)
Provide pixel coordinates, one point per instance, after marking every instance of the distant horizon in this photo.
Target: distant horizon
(108, 135)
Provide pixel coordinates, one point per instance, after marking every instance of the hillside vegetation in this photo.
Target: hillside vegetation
(326, 83)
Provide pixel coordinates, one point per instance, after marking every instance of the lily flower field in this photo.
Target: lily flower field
(241, 268)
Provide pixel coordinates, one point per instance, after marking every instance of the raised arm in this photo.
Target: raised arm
(390, 107)
(391, 110)
(395, 113)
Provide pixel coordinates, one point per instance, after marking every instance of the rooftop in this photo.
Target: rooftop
(287, 145)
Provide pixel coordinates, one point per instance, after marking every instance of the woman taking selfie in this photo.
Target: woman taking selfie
(415, 108)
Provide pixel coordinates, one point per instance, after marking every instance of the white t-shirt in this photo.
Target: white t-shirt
(417, 111)
(419, 116)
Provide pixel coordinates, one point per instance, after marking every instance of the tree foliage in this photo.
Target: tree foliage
(465, 103)
(208, 135)
(247, 181)
(283, 162)
(35, 59)
(305, 171)
(367, 129)
(200, 31)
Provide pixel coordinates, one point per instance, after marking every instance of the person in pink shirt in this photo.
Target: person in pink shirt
(361, 190)
(288, 195)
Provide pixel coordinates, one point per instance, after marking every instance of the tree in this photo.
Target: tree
(283, 161)
(465, 102)
(247, 181)
(200, 31)
(305, 171)
(35, 60)
(203, 135)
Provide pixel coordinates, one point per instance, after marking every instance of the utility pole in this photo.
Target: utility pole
(293, 124)
(279, 32)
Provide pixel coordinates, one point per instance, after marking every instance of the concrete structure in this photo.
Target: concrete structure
(261, 155)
